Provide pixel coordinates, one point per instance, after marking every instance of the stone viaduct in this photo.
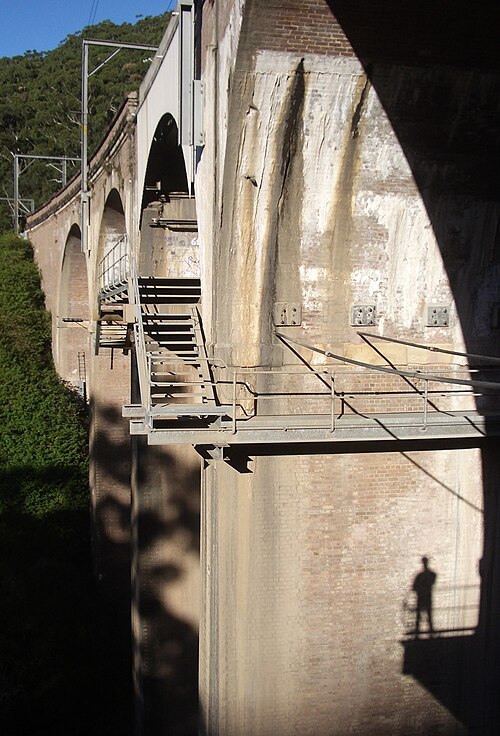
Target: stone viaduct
(293, 181)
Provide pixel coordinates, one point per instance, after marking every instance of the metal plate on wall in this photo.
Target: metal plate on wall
(287, 313)
(363, 315)
(438, 316)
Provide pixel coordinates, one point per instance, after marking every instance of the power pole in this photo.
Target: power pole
(18, 171)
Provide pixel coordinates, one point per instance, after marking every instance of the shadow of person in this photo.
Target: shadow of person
(422, 585)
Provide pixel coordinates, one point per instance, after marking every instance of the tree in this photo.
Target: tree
(40, 105)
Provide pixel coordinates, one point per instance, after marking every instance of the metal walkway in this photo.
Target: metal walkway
(348, 428)
(186, 398)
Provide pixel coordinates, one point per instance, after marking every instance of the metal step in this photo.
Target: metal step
(189, 410)
(167, 281)
(136, 411)
(164, 384)
(112, 335)
(169, 291)
(170, 338)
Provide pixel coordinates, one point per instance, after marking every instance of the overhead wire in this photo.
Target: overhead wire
(93, 12)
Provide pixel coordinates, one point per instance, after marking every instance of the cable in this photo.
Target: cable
(93, 11)
(394, 372)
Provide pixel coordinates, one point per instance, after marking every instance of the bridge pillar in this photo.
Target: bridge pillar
(165, 583)
(307, 618)
(109, 458)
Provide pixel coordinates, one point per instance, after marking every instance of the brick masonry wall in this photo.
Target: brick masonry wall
(313, 619)
(428, 33)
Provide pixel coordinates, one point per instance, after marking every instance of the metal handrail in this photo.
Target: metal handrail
(336, 397)
(246, 397)
(142, 357)
(114, 268)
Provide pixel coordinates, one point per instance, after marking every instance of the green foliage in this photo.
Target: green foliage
(46, 589)
(40, 105)
(39, 416)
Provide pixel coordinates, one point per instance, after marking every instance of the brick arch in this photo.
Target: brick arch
(166, 169)
(112, 230)
(113, 223)
(168, 218)
(72, 339)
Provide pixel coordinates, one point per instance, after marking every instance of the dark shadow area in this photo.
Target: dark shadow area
(167, 530)
(160, 661)
(435, 67)
(49, 659)
(448, 668)
(110, 533)
(171, 692)
(352, 447)
(166, 170)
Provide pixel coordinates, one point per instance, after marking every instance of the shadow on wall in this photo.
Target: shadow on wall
(166, 513)
(110, 531)
(448, 668)
(444, 660)
(167, 529)
(436, 72)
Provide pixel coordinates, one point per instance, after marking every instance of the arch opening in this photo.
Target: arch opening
(169, 228)
(113, 231)
(166, 170)
(113, 226)
(72, 344)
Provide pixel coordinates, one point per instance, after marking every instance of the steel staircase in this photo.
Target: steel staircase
(179, 375)
(112, 330)
(160, 318)
(176, 384)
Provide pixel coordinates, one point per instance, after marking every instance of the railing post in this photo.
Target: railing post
(426, 394)
(234, 402)
(16, 193)
(84, 151)
(332, 403)
(150, 366)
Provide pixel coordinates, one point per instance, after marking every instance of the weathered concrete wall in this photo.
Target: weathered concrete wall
(328, 197)
(170, 250)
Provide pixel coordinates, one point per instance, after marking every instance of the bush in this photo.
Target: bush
(46, 584)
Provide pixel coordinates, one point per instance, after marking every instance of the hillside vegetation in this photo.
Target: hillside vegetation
(49, 668)
(40, 105)
(52, 673)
